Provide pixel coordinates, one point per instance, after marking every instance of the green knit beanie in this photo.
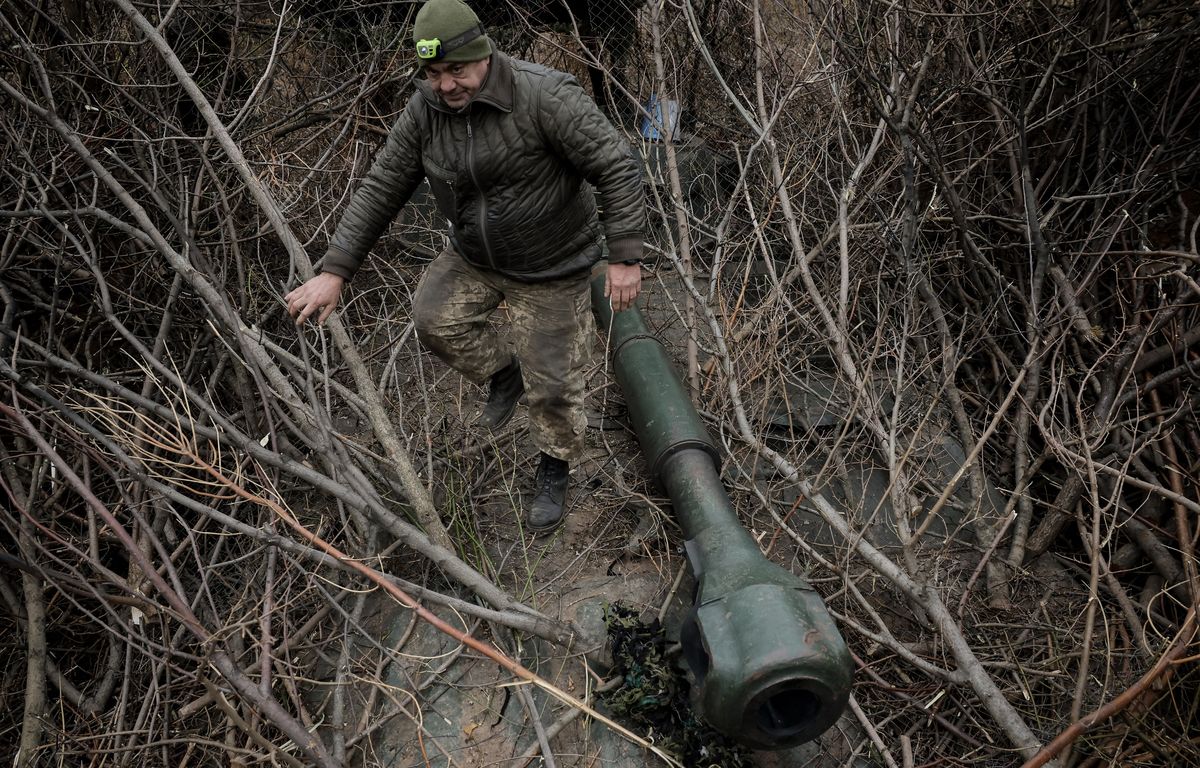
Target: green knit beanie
(456, 30)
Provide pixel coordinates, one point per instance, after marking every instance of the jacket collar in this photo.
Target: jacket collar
(496, 91)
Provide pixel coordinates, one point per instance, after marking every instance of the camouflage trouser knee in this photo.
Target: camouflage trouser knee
(551, 335)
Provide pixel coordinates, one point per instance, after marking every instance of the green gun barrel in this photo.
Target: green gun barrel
(770, 668)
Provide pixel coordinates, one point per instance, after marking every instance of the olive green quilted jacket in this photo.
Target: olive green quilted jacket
(511, 174)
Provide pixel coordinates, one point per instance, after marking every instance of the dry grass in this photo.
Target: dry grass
(956, 247)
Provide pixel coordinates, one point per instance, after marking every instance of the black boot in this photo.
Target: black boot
(546, 512)
(504, 391)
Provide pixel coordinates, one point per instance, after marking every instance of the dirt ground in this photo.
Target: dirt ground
(617, 545)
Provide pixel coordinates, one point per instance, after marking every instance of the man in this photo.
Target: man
(507, 147)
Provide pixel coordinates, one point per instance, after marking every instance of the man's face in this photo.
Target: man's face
(456, 82)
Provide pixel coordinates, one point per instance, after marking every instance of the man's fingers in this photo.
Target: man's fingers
(628, 296)
(297, 304)
(621, 286)
(304, 308)
(317, 298)
(621, 299)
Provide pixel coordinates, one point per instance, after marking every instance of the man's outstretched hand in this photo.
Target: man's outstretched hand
(622, 285)
(319, 294)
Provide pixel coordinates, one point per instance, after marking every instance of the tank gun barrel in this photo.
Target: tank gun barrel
(770, 668)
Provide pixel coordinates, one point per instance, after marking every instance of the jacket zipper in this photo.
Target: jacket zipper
(487, 246)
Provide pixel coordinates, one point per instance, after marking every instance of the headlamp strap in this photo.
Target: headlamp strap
(466, 37)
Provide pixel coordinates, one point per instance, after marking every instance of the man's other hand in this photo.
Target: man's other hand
(319, 294)
(622, 285)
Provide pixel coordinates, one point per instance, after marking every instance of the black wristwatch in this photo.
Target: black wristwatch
(631, 262)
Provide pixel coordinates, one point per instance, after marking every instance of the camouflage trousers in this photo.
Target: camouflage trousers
(551, 333)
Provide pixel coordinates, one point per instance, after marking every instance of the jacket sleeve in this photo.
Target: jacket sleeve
(581, 134)
(394, 176)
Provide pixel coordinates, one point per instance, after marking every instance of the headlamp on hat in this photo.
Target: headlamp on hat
(431, 49)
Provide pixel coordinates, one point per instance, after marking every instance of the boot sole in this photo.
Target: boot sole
(545, 529)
